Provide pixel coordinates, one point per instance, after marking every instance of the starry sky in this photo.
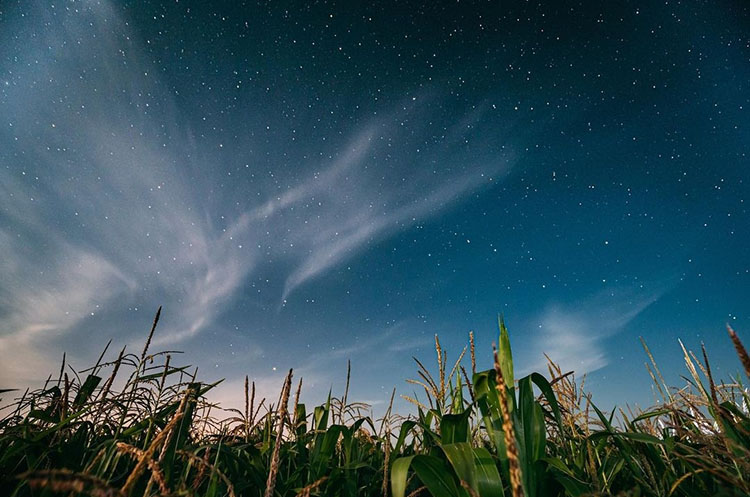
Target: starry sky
(304, 183)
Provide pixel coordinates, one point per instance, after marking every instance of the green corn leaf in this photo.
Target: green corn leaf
(640, 437)
(154, 376)
(530, 435)
(461, 457)
(488, 479)
(559, 465)
(88, 387)
(574, 487)
(42, 415)
(457, 404)
(485, 389)
(455, 427)
(213, 486)
(320, 415)
(348, 439)
(433, 472)
(300, 422)
(436, 476)
(399, 474)
(504, 354)
(320, 418)
(182, 430)
(651, 414)
(324, 449)
(406, 427)
(546, 389)
(61, 424)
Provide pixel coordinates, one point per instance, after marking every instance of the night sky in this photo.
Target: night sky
(303, 183)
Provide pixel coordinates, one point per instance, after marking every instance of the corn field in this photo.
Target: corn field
(138, 425)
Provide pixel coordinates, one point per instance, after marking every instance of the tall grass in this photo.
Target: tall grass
(141, 426)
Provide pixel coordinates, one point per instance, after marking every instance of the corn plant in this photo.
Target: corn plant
(138, 425)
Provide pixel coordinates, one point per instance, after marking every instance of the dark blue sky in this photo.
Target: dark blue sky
(302, 185)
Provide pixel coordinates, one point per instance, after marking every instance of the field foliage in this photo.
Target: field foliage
(139, 425)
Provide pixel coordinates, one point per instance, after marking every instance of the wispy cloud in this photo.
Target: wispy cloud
(323, 183)
(574, 335)
(38, 308)
(110, 198)
(372, 226)
(398, 337)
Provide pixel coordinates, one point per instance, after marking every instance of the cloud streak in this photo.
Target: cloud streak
(108, 198)
(370, 227)
(37, 309)
(573, 336)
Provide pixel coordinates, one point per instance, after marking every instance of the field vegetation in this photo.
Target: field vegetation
(139, 425)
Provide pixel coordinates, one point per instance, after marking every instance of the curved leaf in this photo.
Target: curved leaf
(461, 457)
(434, 473)
(488, 480)
(399, 474)
(406, 427)
(454, 428)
